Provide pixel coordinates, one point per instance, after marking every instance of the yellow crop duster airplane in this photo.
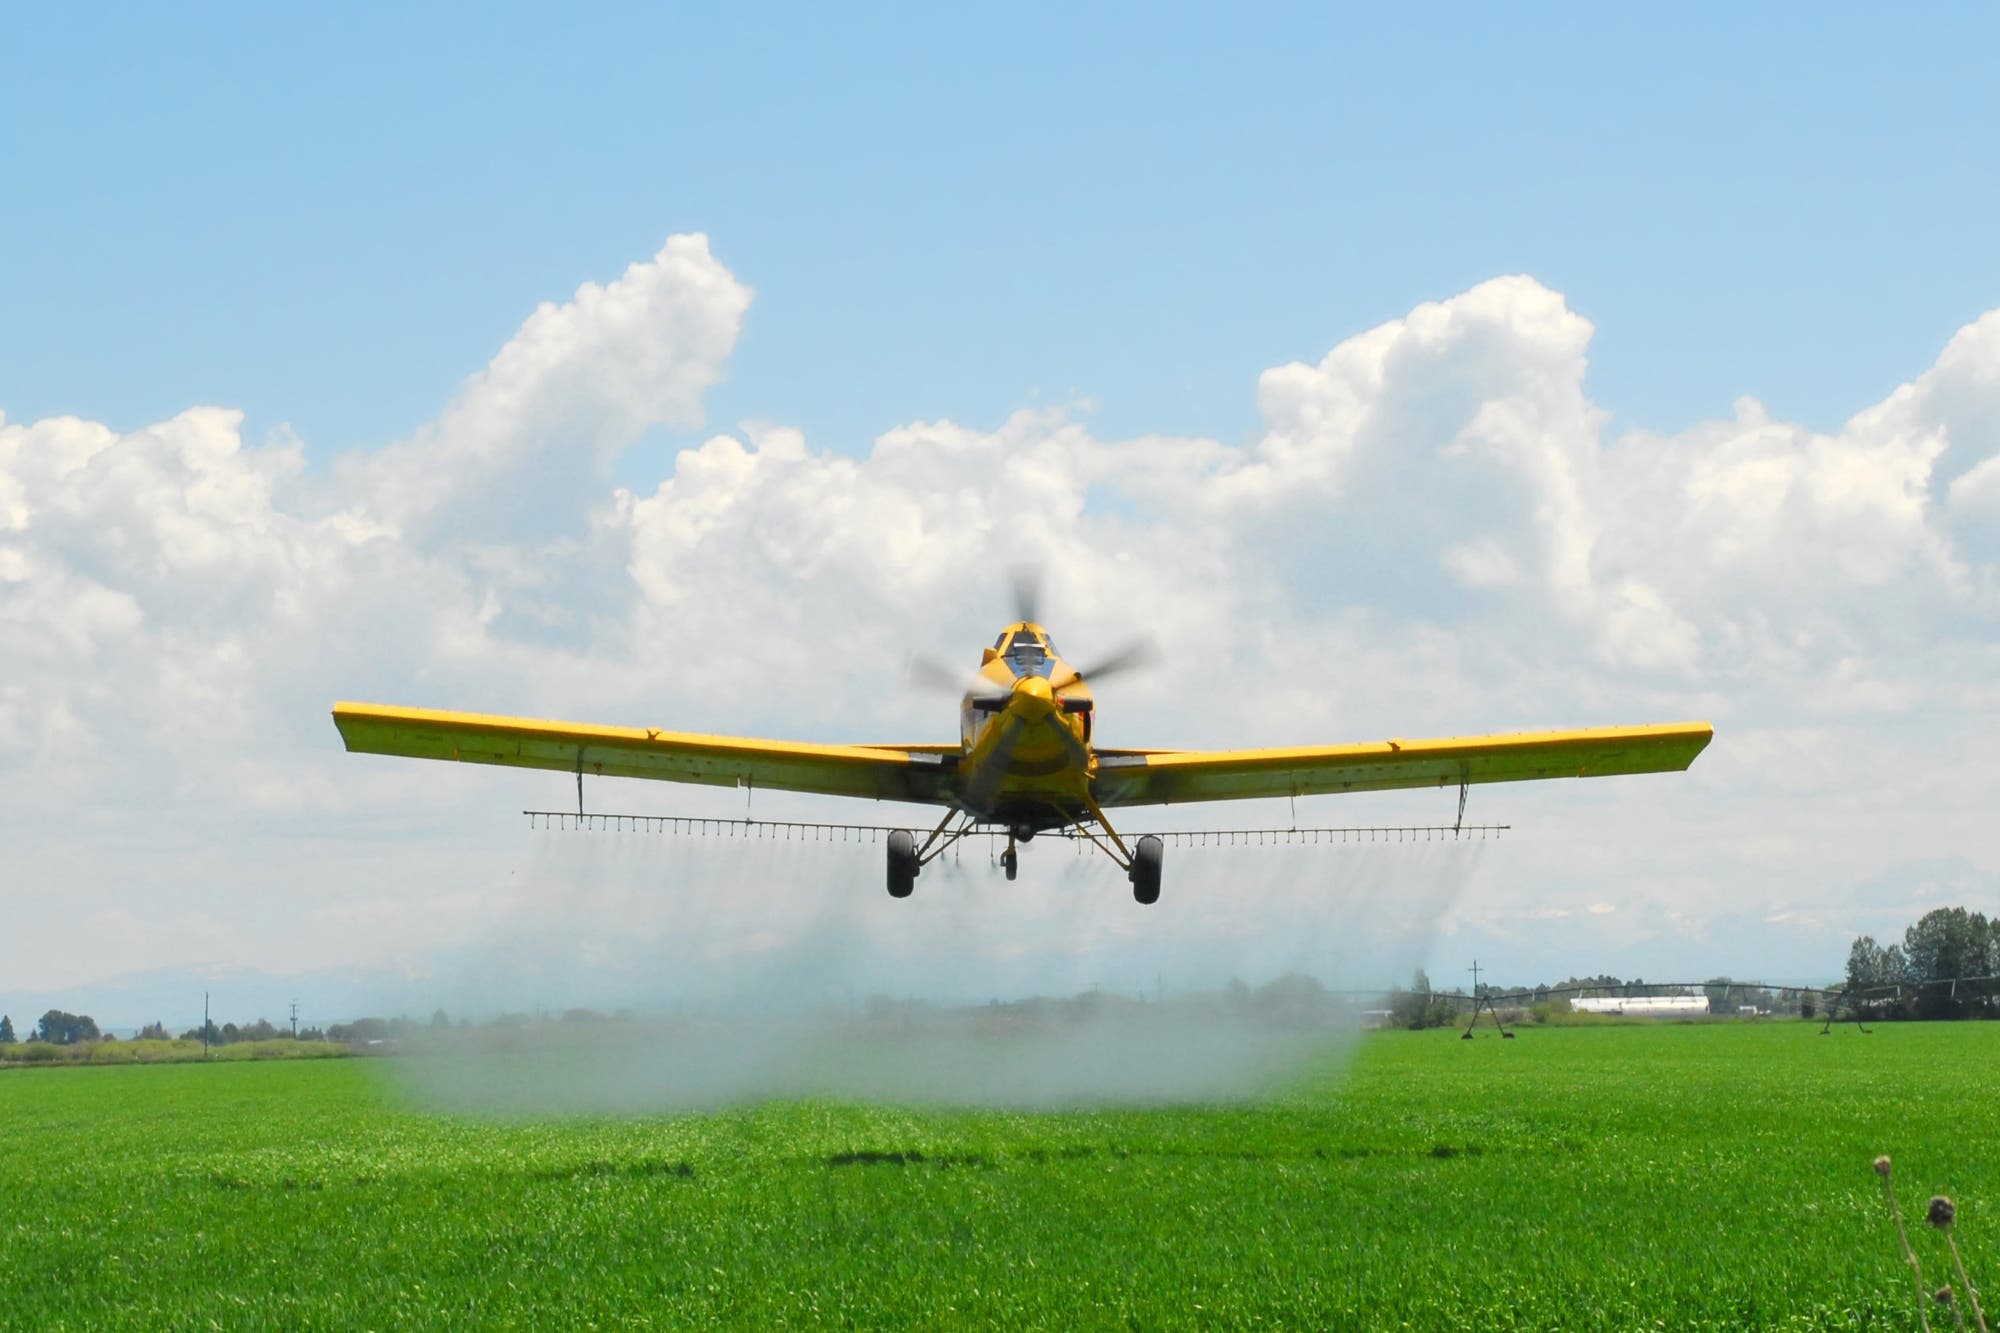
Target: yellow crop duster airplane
(1023, 763)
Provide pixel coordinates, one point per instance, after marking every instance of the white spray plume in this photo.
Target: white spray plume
(742, 969)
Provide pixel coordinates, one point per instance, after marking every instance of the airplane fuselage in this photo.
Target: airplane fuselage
(1024, 732)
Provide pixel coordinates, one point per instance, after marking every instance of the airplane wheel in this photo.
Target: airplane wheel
(1145, 872)
(902, 863)
(1010, 861)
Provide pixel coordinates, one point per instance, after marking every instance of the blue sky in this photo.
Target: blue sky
(325, 217)
(454, 251)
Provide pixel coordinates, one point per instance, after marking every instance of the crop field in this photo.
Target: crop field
(1699, 1176)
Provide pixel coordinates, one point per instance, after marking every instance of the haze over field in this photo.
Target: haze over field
(779, 968)
(1427, 510)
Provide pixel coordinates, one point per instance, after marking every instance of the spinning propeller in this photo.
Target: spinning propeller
(931, 674)
(1027, 582)
(994, 696)
(1135, 653)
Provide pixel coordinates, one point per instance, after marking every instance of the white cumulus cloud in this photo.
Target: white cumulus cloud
(1431, 532)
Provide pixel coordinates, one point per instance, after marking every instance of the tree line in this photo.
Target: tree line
(58, 1027)
(1944, 967)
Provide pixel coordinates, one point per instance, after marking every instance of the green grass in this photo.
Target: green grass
(1702, 1176)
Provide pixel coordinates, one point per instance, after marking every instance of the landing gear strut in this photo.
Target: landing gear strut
(1141, 862)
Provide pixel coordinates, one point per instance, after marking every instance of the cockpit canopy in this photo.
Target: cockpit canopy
(1026, 651)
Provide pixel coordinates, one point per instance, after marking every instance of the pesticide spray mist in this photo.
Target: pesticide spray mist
(654, 973)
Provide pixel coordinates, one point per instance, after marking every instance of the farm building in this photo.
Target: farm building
(1644, 1006)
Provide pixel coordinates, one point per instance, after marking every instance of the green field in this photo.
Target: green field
(1701, 1176)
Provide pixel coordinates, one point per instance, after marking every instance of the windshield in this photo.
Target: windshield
(1027, 656)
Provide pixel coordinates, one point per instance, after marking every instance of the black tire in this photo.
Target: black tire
(1145, 872)
(902, 863)
(1010, 861)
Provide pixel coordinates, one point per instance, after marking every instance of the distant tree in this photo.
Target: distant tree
(440, 1019)
(1420, 1006)
(261, 1030)
(6, 1030)
(1943, 946)
(1865, 964)
(1939, 952)
(1082, 1006)
(361, 1029)
(1294, 1000)
(60, 1028)
(154, 1031)
(1808, 1005)
(1721, 993)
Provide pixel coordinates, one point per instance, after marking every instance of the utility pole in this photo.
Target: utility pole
(204, 1025)
(1474, 969)
(295, 1020)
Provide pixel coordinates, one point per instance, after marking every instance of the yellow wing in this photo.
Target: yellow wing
(890, 773)
(1165, 776)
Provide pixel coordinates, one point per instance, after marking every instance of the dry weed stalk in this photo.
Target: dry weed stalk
(1946, 1297)
(1882, 1166)
(1941, 1215)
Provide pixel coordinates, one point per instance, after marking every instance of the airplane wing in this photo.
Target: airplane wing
(1166, 776)
(890, 773)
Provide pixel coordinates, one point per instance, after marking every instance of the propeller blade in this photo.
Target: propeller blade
(1079, 753)
(930, 674)
(1140, 652)
(1028, 593)
(986, 778)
